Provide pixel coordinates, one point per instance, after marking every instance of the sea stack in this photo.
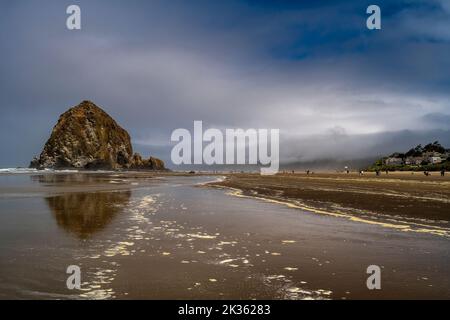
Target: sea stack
(86, 137)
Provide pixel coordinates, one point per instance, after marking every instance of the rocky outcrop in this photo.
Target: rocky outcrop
(138, 163)
(155, 164)
(86, 137)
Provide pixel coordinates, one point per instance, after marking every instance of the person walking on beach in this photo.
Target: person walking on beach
(443, 172)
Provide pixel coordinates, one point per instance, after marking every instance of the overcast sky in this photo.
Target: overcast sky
(310, 68)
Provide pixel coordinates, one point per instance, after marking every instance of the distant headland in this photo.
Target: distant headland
(86, 137)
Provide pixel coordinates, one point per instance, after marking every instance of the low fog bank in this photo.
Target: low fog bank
(333, 151)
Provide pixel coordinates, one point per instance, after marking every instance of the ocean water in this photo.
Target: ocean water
(137, 237)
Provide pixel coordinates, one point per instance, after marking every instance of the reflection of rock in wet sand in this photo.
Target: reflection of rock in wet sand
(86, 213)
(70, 179)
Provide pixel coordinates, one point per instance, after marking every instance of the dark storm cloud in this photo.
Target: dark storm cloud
(310, 68)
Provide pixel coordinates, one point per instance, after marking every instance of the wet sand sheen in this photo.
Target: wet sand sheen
(401, 225)
(402, 201)
(171, 239)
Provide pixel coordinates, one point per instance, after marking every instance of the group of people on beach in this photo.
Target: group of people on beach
(427, 173)
(378, 173)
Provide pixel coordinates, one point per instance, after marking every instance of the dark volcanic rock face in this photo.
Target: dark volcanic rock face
(86, 137)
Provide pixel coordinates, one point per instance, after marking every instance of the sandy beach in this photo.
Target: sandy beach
(405, 198)
(140, 235)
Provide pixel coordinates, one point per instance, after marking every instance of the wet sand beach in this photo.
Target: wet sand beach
(152, 236)
(398, 197)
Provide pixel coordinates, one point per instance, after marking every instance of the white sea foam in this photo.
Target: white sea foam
(217, 180)
(18, 170)
(31, 170)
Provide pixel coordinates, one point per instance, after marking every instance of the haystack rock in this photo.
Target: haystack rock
(86, 137)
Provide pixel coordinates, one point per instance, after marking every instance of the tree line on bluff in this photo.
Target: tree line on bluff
(431, 157)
